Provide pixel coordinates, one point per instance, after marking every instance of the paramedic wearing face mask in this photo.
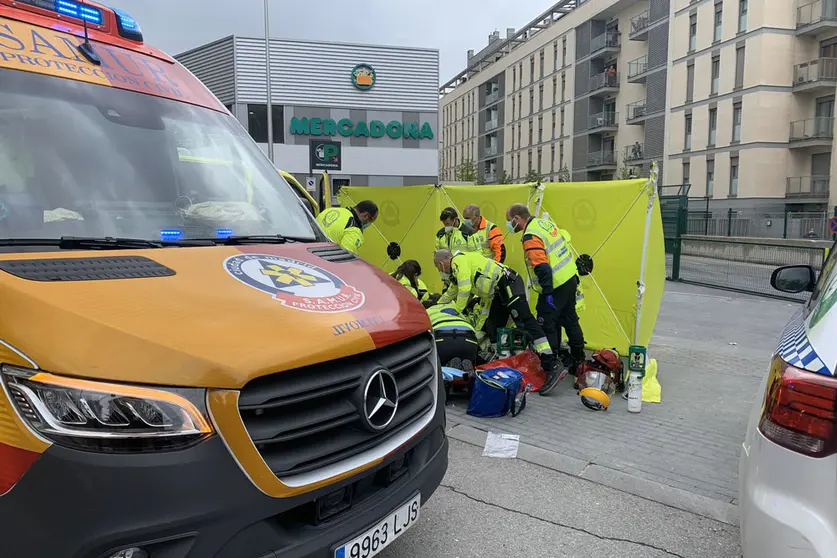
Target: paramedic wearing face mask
(501, 294)
(345, 227)
(487, 237)
(554, 276)
(453, 235)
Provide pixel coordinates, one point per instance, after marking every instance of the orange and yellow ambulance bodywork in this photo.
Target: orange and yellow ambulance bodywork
(188, 368)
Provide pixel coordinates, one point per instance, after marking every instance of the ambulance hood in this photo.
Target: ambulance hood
(201, 317)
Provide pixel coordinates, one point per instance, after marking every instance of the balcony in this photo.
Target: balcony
(492, 124)
(634, 153)
(601, 160)
(604, 84)
(639, 27)
(492, 97)
(490, 151)
(637, 113)
(603, 122)
(813, 132)
(816, 17)
(816, 76)
(807, 187)
(607, 45)
(638, 70)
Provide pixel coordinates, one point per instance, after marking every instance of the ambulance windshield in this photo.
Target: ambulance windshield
(78, 159)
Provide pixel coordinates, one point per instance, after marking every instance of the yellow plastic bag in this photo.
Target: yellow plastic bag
(651, 389)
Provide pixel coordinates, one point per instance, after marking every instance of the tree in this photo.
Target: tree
(533, 176)
(467, 171)
(504, 178)
(564, 174)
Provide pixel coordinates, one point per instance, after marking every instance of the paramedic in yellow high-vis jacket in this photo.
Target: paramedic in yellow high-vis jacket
(345, 226)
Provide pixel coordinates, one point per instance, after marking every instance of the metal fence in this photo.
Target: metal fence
(808, 225)
(742, 264)
(713, 250)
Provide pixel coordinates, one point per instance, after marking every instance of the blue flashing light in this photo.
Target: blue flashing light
(128, 26)
(171, 235)
(80, 11)
(223, 233)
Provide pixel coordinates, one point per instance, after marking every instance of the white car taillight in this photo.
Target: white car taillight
(800, 410)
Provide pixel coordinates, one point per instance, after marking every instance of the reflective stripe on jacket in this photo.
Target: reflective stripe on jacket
(559, 256)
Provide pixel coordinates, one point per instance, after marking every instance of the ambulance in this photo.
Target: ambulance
(188, 368)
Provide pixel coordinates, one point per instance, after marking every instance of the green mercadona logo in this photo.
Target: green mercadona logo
(363, 76)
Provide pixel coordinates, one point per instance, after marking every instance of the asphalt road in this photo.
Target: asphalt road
(489, 508)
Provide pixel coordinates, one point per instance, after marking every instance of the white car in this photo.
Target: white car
(788, 467)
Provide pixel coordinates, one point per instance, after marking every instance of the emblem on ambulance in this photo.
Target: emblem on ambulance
(296, 284)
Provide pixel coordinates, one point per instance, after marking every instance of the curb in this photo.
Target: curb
(617, 480)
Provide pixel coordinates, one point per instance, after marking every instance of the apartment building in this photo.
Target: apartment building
(734, 99)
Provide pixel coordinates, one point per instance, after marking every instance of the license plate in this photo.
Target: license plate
(381, 535)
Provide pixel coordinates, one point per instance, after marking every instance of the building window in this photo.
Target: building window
(531, 100)
(719, 17)
(257, 123)
(554, 124)
(692, 32)
(519, 132)
(563, 52)
(687, 167)
(540, 129)
(687, 139)
(562, 121)
(512, 166)
(563, 87)
(513, 137)
(742, 16)
(514, 108)
(555, 91)
(520, 103)
(530, 161)
(739, 67)
(736, 122)
(532, 68)
(710, 178)
(514, 79)
(555, 55)
(713, 127)
(690, 83)
(540, 97)
(531, 130)
(519, 168)
(540, 159)
(542, 62)
(552, 158)
(561, 156)
(716, 74)
(733, 176)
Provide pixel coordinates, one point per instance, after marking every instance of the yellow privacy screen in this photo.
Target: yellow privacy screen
(605, 220)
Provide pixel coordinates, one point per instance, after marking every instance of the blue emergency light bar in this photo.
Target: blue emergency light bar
(171, 235)
(223, 233)
(128, 26)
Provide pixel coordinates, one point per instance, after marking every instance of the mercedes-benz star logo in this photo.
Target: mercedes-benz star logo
(380, 400)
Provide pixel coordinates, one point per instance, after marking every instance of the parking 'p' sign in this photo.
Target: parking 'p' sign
(833, 225)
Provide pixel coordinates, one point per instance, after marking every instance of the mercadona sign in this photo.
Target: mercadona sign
(361, 128)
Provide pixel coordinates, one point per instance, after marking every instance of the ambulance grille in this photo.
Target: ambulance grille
(304, 419)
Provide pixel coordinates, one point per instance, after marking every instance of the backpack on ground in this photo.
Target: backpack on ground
(497, 392)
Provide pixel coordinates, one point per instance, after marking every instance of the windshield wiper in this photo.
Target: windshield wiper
(257, 239)
(98, 243)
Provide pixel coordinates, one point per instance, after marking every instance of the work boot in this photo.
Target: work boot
(554, 374)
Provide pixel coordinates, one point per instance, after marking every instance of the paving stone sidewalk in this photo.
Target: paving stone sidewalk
(712, 348)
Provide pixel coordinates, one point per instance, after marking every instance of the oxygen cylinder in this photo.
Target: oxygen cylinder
(634, 392)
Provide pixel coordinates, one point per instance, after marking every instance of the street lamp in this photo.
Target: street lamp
(267, 65)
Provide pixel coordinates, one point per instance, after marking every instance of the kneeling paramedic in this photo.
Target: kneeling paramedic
(554, 276)
(345, 227)
(501, 293)
(456, 339)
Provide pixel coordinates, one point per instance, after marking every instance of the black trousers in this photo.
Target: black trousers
(564, 316)
(456, 343)
(510, 300)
